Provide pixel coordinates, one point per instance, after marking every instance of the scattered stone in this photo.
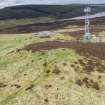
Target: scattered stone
(44, 34)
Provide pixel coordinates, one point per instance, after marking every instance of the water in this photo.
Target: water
(101, 14)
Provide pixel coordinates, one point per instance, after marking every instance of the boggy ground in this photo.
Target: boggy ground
(84, 49)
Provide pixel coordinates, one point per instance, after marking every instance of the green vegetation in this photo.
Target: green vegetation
(24, 69)
(47, 77)
(10, 43)
(16, 22)
(61, 76)
(102, 34)
(56, 11)
(19, 70)
(24, 19)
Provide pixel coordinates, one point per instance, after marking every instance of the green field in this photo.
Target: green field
(53, 77)
(16, 22)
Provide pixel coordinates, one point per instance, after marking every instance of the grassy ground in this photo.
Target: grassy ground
(15, 22)
(54, 77)
(9, 43)
(102, 34)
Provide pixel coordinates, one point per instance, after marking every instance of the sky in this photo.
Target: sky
(5, 3)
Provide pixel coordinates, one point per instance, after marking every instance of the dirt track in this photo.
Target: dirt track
(84, 49)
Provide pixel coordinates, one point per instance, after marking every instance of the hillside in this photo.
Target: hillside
(52, 67)
(20, 26)
(43, 60)
(55, 11)
(34, 18)
(51, 71)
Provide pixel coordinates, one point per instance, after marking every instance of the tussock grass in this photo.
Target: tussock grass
(47, 77)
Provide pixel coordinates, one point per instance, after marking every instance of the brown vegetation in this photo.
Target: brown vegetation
(96, 26)
(84, 49)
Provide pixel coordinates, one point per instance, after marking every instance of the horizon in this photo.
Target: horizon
(50, 4)
(8, 3)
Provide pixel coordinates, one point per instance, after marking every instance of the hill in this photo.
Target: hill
(55, 69)
(55, 11)
(51, 71)
(34, 25)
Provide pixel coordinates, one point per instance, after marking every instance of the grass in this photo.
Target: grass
(15, 22)
(44, 77)
(13, 66)
(102, 34)
(9, 43)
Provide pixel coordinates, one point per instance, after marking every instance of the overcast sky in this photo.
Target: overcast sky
(4, 3)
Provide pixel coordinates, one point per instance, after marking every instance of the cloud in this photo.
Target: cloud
(5, 3)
